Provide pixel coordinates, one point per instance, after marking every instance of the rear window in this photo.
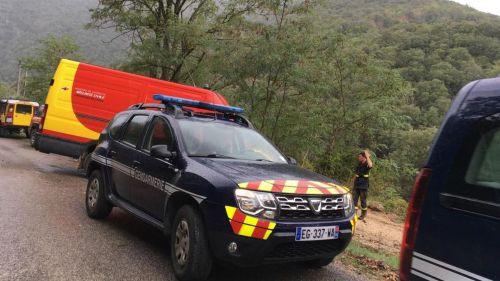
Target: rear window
(134, 129)
(484, 167)
(23, 108)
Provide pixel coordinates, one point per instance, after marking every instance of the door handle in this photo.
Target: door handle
(112, 153)
(137, 163)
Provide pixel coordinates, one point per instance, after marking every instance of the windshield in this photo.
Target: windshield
(217, 140)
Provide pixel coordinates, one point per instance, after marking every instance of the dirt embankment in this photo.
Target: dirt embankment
(380, 231)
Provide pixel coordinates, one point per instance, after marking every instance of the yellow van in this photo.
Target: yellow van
(15, 115)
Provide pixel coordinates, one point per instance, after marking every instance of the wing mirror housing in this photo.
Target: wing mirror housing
(291, 160)
(162, 151)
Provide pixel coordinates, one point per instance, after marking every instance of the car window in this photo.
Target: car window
(484, 167)
(134, 129)
(116, 124)
(475, 172)
(207, 138)
(23, 108)
(160, 133)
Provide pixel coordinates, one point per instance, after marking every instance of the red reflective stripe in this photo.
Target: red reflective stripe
(259, 232)
(263, 224)
(236, 226)
(65, 136)
(239, 216)
(254, 185)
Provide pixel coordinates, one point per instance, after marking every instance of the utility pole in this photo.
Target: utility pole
(24, 84)
(19, 72)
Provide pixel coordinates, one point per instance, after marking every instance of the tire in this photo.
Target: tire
(34, 138)
(3, 132)
(318, 263)
(95, 198)
(191, 261)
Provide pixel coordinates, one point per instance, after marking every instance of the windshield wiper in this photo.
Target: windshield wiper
(214, 155)
(263, 160)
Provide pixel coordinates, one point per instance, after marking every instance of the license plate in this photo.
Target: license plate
(8, 120)
(316, 233)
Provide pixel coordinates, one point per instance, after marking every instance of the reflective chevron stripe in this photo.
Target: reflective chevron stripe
(303, 187)
(431, 269)
(249, 226)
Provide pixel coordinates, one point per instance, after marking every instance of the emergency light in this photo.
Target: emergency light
(198, 104)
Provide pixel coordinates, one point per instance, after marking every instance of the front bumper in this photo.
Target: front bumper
(281, 246)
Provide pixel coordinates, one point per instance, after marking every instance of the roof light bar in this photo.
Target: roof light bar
(198, 104)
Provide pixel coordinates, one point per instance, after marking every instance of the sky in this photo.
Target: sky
(488, 6)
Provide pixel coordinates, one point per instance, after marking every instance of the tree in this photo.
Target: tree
(42, 65)
(6, 91)
(171, 40)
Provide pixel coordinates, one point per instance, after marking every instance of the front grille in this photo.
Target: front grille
(297, 207)
(305, 249)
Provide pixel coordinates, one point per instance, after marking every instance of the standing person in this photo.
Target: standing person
(361, 181)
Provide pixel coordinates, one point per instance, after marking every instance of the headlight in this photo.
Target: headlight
(254, 203)
(349, 204)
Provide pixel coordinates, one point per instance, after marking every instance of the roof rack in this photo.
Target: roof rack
(198, 104)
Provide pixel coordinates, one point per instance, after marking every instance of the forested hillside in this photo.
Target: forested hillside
(23, 22)
(322, 79)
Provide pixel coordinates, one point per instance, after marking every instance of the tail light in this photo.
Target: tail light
(412, 222)
(45, 107)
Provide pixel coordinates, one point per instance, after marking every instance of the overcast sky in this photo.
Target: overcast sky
(489, 6)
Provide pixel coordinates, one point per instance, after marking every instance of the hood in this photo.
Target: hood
(273, 177)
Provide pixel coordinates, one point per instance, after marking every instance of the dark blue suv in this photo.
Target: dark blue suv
(452, 229)
(223, 192)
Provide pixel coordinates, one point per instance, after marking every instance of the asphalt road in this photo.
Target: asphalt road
(45, 233)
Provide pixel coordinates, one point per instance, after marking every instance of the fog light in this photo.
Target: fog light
(232, 247)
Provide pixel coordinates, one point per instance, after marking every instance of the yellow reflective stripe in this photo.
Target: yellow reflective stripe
(291, 183)
(272, 225)
(289, 189)
(246, 230)
(243, 185)
(251, 220)
(268, 232)
(230, 212)
(313, 190)
(266, 185)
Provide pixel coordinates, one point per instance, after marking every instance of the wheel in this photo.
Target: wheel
(189, 252)
(95, 198)
(3, 132)
(318, 263)
(33, 137)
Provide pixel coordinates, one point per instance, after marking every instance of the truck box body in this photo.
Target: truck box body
(83, 98)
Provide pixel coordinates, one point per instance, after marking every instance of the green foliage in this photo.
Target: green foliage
(41, 66)
(171, 40)
(358, 250)
(6, 91)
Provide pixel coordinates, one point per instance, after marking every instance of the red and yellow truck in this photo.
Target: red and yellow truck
(83, 98)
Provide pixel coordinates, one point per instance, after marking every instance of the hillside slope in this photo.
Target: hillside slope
(23, 22)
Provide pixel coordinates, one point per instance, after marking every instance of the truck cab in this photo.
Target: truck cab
(201, 173)
(452, 226)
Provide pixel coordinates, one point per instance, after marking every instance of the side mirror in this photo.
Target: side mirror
(162, 151)
(291, 160)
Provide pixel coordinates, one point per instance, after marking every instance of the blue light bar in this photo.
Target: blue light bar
(198, 104)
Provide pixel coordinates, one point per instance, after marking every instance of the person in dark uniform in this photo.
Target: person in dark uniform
(362, 182)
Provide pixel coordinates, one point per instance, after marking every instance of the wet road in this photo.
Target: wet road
(45, 233)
